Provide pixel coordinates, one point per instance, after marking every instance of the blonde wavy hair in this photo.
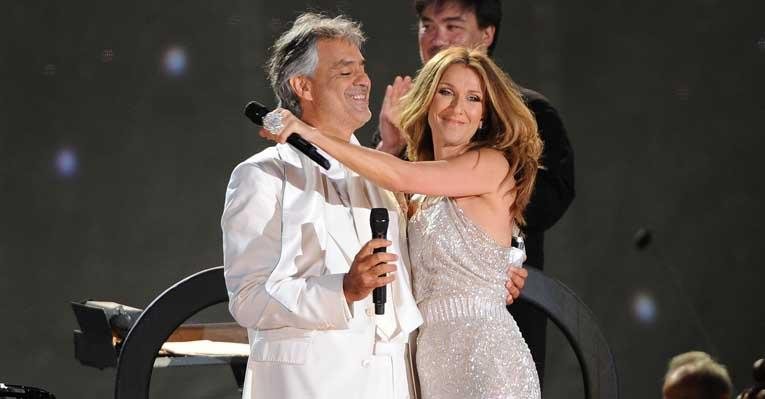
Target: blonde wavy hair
(508, 125)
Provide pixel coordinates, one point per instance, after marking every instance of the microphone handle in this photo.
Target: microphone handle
(379, 294)
(308, 149)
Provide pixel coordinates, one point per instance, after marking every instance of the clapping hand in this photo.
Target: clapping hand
(392, 141)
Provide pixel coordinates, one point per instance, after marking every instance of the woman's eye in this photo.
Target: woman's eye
(444, 92)
(474, 98)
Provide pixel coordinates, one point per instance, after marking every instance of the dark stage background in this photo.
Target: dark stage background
(120, 123)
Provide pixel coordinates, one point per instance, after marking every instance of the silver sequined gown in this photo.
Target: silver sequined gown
(469, 345)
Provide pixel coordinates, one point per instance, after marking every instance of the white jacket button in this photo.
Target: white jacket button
(366, 363)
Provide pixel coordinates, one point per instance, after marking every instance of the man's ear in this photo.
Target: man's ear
(302, 87)
(487, 35)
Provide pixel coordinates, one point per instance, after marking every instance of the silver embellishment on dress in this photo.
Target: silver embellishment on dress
(469, 345)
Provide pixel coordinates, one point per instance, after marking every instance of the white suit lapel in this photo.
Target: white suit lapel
(360, 210)
(340, 226)
(407, 314)
(362, 205)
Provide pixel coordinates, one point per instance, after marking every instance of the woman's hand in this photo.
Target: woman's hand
(281, 123)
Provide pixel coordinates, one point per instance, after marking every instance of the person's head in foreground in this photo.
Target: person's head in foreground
(695, 375)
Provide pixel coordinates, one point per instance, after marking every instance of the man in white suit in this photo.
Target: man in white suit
(298, 259)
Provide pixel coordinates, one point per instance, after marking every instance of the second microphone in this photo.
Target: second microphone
(378, 221)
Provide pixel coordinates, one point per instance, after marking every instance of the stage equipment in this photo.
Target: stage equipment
(159, 324)
(9, 391)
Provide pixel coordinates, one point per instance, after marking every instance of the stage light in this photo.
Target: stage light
(107, 55)
(66, 162)
(49, 70)
(761, 43)
(175, 61)
(234, 20)
(682, 92)
(644, 308)
(642, 238)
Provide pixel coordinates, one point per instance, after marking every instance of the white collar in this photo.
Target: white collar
(336, 169)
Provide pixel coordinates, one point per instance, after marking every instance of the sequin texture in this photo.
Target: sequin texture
(469, 345)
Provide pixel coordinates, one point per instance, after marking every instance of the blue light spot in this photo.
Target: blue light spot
(175, 61)
(644, 308)
(66, 162)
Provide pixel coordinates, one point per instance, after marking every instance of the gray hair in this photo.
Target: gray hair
(295, 53)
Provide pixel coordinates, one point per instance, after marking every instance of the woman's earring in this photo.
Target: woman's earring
(480, 133)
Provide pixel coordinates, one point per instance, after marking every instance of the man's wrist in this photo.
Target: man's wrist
(391, 140)
(347, 295)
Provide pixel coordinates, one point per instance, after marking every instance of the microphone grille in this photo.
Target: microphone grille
(256, 112)
(380, 214)
(378, 219)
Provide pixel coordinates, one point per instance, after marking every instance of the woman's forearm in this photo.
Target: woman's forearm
(381, 168)
(474, 172)
(467, 174)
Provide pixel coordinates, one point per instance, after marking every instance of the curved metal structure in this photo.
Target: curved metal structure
(580, 328)
(207, 288)
(157, 322)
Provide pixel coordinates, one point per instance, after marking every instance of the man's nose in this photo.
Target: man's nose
(363, 80)
(440, 38)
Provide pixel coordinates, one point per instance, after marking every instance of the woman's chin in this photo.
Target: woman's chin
(455, 137)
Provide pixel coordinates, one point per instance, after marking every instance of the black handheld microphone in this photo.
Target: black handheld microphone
(256, 112)
(378, 220)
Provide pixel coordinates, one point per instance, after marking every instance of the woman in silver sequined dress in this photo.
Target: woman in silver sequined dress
(476, 152)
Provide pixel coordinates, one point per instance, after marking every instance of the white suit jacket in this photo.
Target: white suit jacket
(288, 240)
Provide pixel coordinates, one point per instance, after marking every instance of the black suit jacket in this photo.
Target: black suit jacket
(554, 186)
